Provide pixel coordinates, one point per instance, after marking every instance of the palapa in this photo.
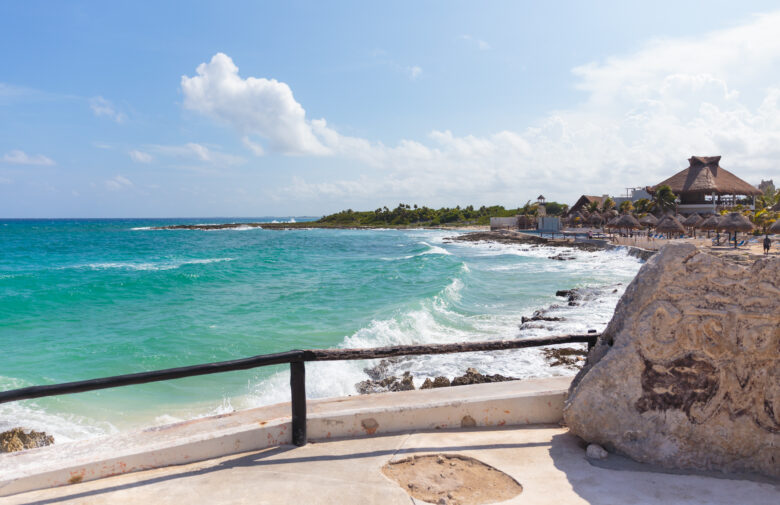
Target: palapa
(692, 220)
(735, 222)
(775, 228)
(649, 220)
(711, 223)
(595, 218)
(706, 176)
(669, 224)
(627, 221)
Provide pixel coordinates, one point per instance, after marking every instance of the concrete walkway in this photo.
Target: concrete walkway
(548, 462)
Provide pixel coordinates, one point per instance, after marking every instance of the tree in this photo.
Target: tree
(664, 199)
(608, 204)
(642, 205)
(593, 207)
(626, 207)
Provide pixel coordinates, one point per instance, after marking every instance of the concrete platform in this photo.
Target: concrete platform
(507, 403)
(548, 462)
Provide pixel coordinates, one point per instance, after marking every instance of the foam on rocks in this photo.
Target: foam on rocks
(687, 373)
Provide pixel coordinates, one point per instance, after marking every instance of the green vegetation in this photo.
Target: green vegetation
(412, 215)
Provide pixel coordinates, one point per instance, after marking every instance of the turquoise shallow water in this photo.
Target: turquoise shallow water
(88, 298)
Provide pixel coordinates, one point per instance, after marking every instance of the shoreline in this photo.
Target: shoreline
(304, 225)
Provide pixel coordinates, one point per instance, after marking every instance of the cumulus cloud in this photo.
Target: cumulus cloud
(118, 182)
(17, 157)
(140, 156)
(260, 107)
(642, 115)
(104, 108)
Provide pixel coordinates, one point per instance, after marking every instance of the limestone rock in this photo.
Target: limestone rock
(687, 373)
(595, 451)
(19, 439)
(438, 382)
(472, 376)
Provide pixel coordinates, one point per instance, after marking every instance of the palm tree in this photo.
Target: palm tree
(608, 204)
(642, 206)
(625, 207)
(593, 207)
(664, 199)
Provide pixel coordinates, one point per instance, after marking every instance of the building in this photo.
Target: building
(705, 186)
(585, 201)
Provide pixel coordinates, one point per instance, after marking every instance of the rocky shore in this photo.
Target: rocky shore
(19, 439)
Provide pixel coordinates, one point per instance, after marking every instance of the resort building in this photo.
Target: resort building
(585, 201)
(705, 187)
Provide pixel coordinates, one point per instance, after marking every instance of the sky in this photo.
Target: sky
(246, 108)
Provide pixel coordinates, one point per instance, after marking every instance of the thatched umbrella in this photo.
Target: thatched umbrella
(775, 228)
(611, 213)
(711, 223)
(649, 220)
(627, 221)
(669, 225)
(575, 218)
(736, 222)
(692, 221)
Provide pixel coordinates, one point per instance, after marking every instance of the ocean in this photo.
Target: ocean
(81, 299)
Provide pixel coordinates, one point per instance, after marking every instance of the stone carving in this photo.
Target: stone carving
(687, 373)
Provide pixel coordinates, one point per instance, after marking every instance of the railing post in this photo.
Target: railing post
(298, 394)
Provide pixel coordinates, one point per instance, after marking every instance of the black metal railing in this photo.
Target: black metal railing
(296, 359)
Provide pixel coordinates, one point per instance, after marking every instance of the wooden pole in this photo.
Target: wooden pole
(298, 397)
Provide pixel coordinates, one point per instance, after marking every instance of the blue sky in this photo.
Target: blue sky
(302, 108)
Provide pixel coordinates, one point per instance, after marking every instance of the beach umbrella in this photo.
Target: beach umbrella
(668, 225)
(735, 222)
(649, 221)
(775, 228)
(627, 221)
(611, 213)
(692, 221)
(711, 223)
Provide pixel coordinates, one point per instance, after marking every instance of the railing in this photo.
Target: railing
(296, 359)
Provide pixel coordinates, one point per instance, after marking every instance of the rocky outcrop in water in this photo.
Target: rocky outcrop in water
(19, 439)
(687, 373)
(380, 383)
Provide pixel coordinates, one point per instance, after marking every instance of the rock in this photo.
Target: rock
(687, 373)
(595, 451)
(392, 383)
(19, 439)
(539, 316)
(472, 376)
(438, 382)
(564, 356)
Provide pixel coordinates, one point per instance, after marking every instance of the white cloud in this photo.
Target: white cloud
(118, 182)
(140, 156)
(104, 108)
(17, 157)
(642, 115)
(481, 44)
(253, 106)
(198, 153)
(414, 72)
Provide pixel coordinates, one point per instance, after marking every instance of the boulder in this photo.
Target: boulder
(472, 376)
(687, 373)
(19, 439)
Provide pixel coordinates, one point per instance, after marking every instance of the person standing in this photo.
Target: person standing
(767, 244)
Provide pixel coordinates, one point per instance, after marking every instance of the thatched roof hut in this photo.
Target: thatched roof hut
(735, 222)
(711, 223)
(692, 220)
(670, 224)
(628, 222)
(703, 177)
(649, 221)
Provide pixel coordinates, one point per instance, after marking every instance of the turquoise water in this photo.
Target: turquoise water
(87, 298)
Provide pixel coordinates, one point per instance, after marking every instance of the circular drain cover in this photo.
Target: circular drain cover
(452, 479)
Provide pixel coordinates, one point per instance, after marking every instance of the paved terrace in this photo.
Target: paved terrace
(548, 462)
